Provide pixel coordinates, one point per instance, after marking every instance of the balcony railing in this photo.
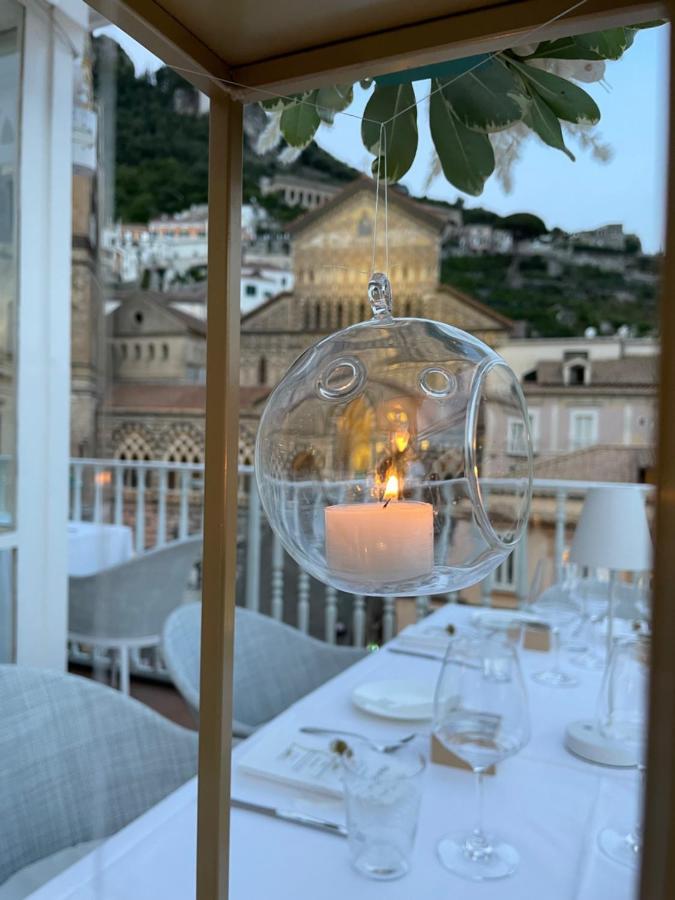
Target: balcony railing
(163, 501)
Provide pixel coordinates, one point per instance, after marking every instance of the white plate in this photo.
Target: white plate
(398, 699)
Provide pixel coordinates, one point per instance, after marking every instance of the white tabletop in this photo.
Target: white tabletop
(93, 546)
(545, 801)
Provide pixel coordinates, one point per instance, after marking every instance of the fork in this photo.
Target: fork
(381, 748)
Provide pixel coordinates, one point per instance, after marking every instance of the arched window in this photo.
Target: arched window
(133, 446)
(340, 314)
(262, 370)
(408, 309)
(317, 316)
(165, 351)
(576, 374)
(137, 351)
(123, 351)
(151, 351)
(184, 448)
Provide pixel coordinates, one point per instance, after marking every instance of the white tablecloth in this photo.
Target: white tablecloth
(93, 547)
(545, 801)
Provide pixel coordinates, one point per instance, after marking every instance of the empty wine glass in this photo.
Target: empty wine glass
(559, 607)
(593, 596)
(481, 715)
(622, 716)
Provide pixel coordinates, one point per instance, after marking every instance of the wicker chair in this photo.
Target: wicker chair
(124, 608)
(274, 664)
(78, 761)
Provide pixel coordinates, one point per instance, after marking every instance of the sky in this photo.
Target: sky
(575, 196)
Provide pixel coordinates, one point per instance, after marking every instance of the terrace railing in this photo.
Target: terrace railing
(162, 501)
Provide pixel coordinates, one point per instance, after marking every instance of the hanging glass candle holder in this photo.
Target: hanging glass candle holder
(394, 457)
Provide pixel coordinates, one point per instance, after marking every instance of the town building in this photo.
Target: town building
(296, 190)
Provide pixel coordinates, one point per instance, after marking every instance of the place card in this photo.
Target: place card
(537, 637)
(444, 757)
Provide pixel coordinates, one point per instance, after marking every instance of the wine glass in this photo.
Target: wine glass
(622, 716)
(481, 715)
(559, 607)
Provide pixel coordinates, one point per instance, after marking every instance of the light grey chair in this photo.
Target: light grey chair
(274, 664)
(78, 761)
(124, 608)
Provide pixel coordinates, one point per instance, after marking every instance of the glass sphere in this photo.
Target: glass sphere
(394, 457)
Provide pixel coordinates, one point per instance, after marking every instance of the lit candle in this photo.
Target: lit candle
(387, 541)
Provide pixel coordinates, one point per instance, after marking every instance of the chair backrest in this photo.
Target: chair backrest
(274, 664)
(132, 600)
(78, 761)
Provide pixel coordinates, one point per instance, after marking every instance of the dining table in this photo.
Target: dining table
(545, 801)
(95, 546)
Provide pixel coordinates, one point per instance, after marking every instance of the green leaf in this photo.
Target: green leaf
(487, 98)
(466, 156)
(609, 44)
(566, 100)
(332, 100)
(395, 106)
(544, 122)
(300, 121)
(276, 104)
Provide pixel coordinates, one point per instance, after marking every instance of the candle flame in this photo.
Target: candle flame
(391, 489)
(401, 441)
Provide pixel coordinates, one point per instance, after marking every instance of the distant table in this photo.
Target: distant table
(93, 547)
(549, 804)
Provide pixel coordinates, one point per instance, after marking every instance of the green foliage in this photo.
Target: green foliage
(389, 130)
(470, 98)
(466, 156)
(524, 225)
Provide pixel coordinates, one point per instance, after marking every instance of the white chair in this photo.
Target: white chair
(124, 608)
(78, 761)
(274, 664)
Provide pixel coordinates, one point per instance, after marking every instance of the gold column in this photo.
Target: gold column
(220, 497)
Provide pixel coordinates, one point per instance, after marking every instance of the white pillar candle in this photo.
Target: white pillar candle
(391, 541)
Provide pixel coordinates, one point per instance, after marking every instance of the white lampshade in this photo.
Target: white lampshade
(612, 532)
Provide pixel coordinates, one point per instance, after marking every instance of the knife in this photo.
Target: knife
(287, 815)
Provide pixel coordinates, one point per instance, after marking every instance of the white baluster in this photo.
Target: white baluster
(387, 619)
(160, 537)
(330, 614)
(522, 566)
(422, 607)
(140, 509)
(359, 624)
(77, 492)
(253, 547)
(560, 521)
(277, 579)
(183, 512)
(119, 494)
(303, 601)
(452, 596)
(486, 590)
(98, 493)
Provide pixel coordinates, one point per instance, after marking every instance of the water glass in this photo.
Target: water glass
(382, 794)
(622, 716)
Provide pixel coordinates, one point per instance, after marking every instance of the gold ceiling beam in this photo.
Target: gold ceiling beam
(451, 37)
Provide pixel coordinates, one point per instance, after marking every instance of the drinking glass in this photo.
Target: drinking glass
(382, 795)
(593, 595)
(559, 607)
(622, 716)
(480, 715)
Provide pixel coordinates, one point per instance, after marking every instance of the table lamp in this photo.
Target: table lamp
(612, 533)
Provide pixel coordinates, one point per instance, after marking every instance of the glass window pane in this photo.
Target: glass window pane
(10, 61)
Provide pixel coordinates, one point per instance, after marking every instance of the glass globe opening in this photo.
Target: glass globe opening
(387, 463)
